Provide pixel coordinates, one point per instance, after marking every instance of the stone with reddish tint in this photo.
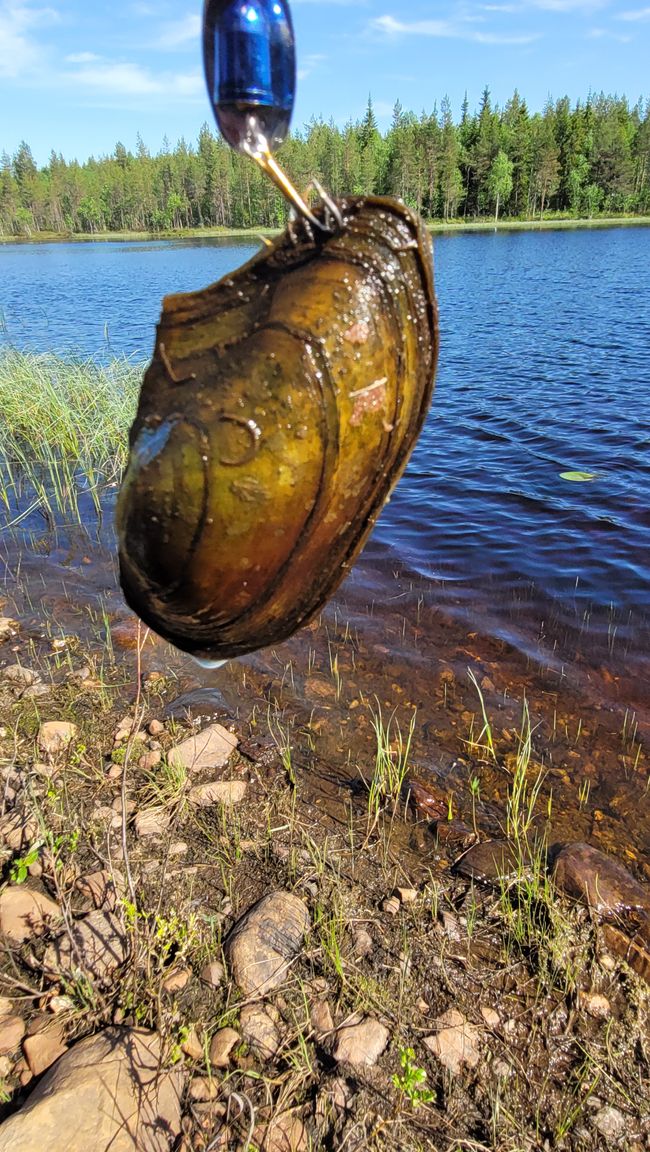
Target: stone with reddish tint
(25, 913)
(456, 1043)
(361, 1044)
(12, 1030)
(43, 1049)
(110, 1093)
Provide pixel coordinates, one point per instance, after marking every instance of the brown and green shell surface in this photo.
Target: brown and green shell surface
(279, 411)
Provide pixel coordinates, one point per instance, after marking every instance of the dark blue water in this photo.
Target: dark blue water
(544, 368)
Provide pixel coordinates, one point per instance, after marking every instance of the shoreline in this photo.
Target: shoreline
(433, 226)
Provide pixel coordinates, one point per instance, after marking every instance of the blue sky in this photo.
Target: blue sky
(79, 75)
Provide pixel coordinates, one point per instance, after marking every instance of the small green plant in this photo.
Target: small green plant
(410, 1084)
(484, 743)
(20, 868)
(392, 752)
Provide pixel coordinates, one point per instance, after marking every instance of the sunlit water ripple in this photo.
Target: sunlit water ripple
(544, 368)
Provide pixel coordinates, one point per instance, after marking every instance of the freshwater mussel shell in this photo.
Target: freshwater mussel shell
(278, 413)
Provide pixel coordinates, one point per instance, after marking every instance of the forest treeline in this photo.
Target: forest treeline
(583, 160)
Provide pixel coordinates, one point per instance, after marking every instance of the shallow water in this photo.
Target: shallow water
(485, 556)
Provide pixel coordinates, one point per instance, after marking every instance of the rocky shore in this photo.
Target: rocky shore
(199, 953)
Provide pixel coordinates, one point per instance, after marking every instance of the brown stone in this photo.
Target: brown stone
(107, 1094)
(227, 792)
(101, 887)
(361, 1044)
(213, 974)
(25, 913)
(192, 1046)
(222, 1045)
(265, 940)
(18, 830)
(490, 862)
(176, 981)
(55, 736)
(321, 1018)
(12, 1030)
(43, 1049)
(605, 885)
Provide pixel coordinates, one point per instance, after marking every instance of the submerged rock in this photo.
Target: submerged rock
(490, 862)
(605, 885)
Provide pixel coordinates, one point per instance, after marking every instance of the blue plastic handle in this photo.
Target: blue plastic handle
(250, 67)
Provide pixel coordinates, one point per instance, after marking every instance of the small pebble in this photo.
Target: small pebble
(155, 728)
(176, 981)
(213, 974)
(596, 1005)
(407, 895)
(391, 906)
(491, 1017)
(222, 1045)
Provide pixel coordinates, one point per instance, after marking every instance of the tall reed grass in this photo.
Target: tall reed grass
(63, 430)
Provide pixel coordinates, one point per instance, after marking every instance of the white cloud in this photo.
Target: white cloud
(636, 14)
(19, 50)
(446, 29)
(124, 80)
(82, 58)
(178, 33)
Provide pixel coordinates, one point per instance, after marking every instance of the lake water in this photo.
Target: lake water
(544, 368)
(484, 553)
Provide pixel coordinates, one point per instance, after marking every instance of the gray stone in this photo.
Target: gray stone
(265, 940)
(19, 676)
(610, 1123)
(108, 1094)
(55, 736)
(211, 748)
(152, 822)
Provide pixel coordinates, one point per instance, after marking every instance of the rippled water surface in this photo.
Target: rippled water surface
(544, 369)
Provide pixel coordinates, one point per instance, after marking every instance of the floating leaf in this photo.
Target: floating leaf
(578, 477)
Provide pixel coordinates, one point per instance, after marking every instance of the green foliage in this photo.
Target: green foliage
(21, 865)
(412, 1080)
(594, 157)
